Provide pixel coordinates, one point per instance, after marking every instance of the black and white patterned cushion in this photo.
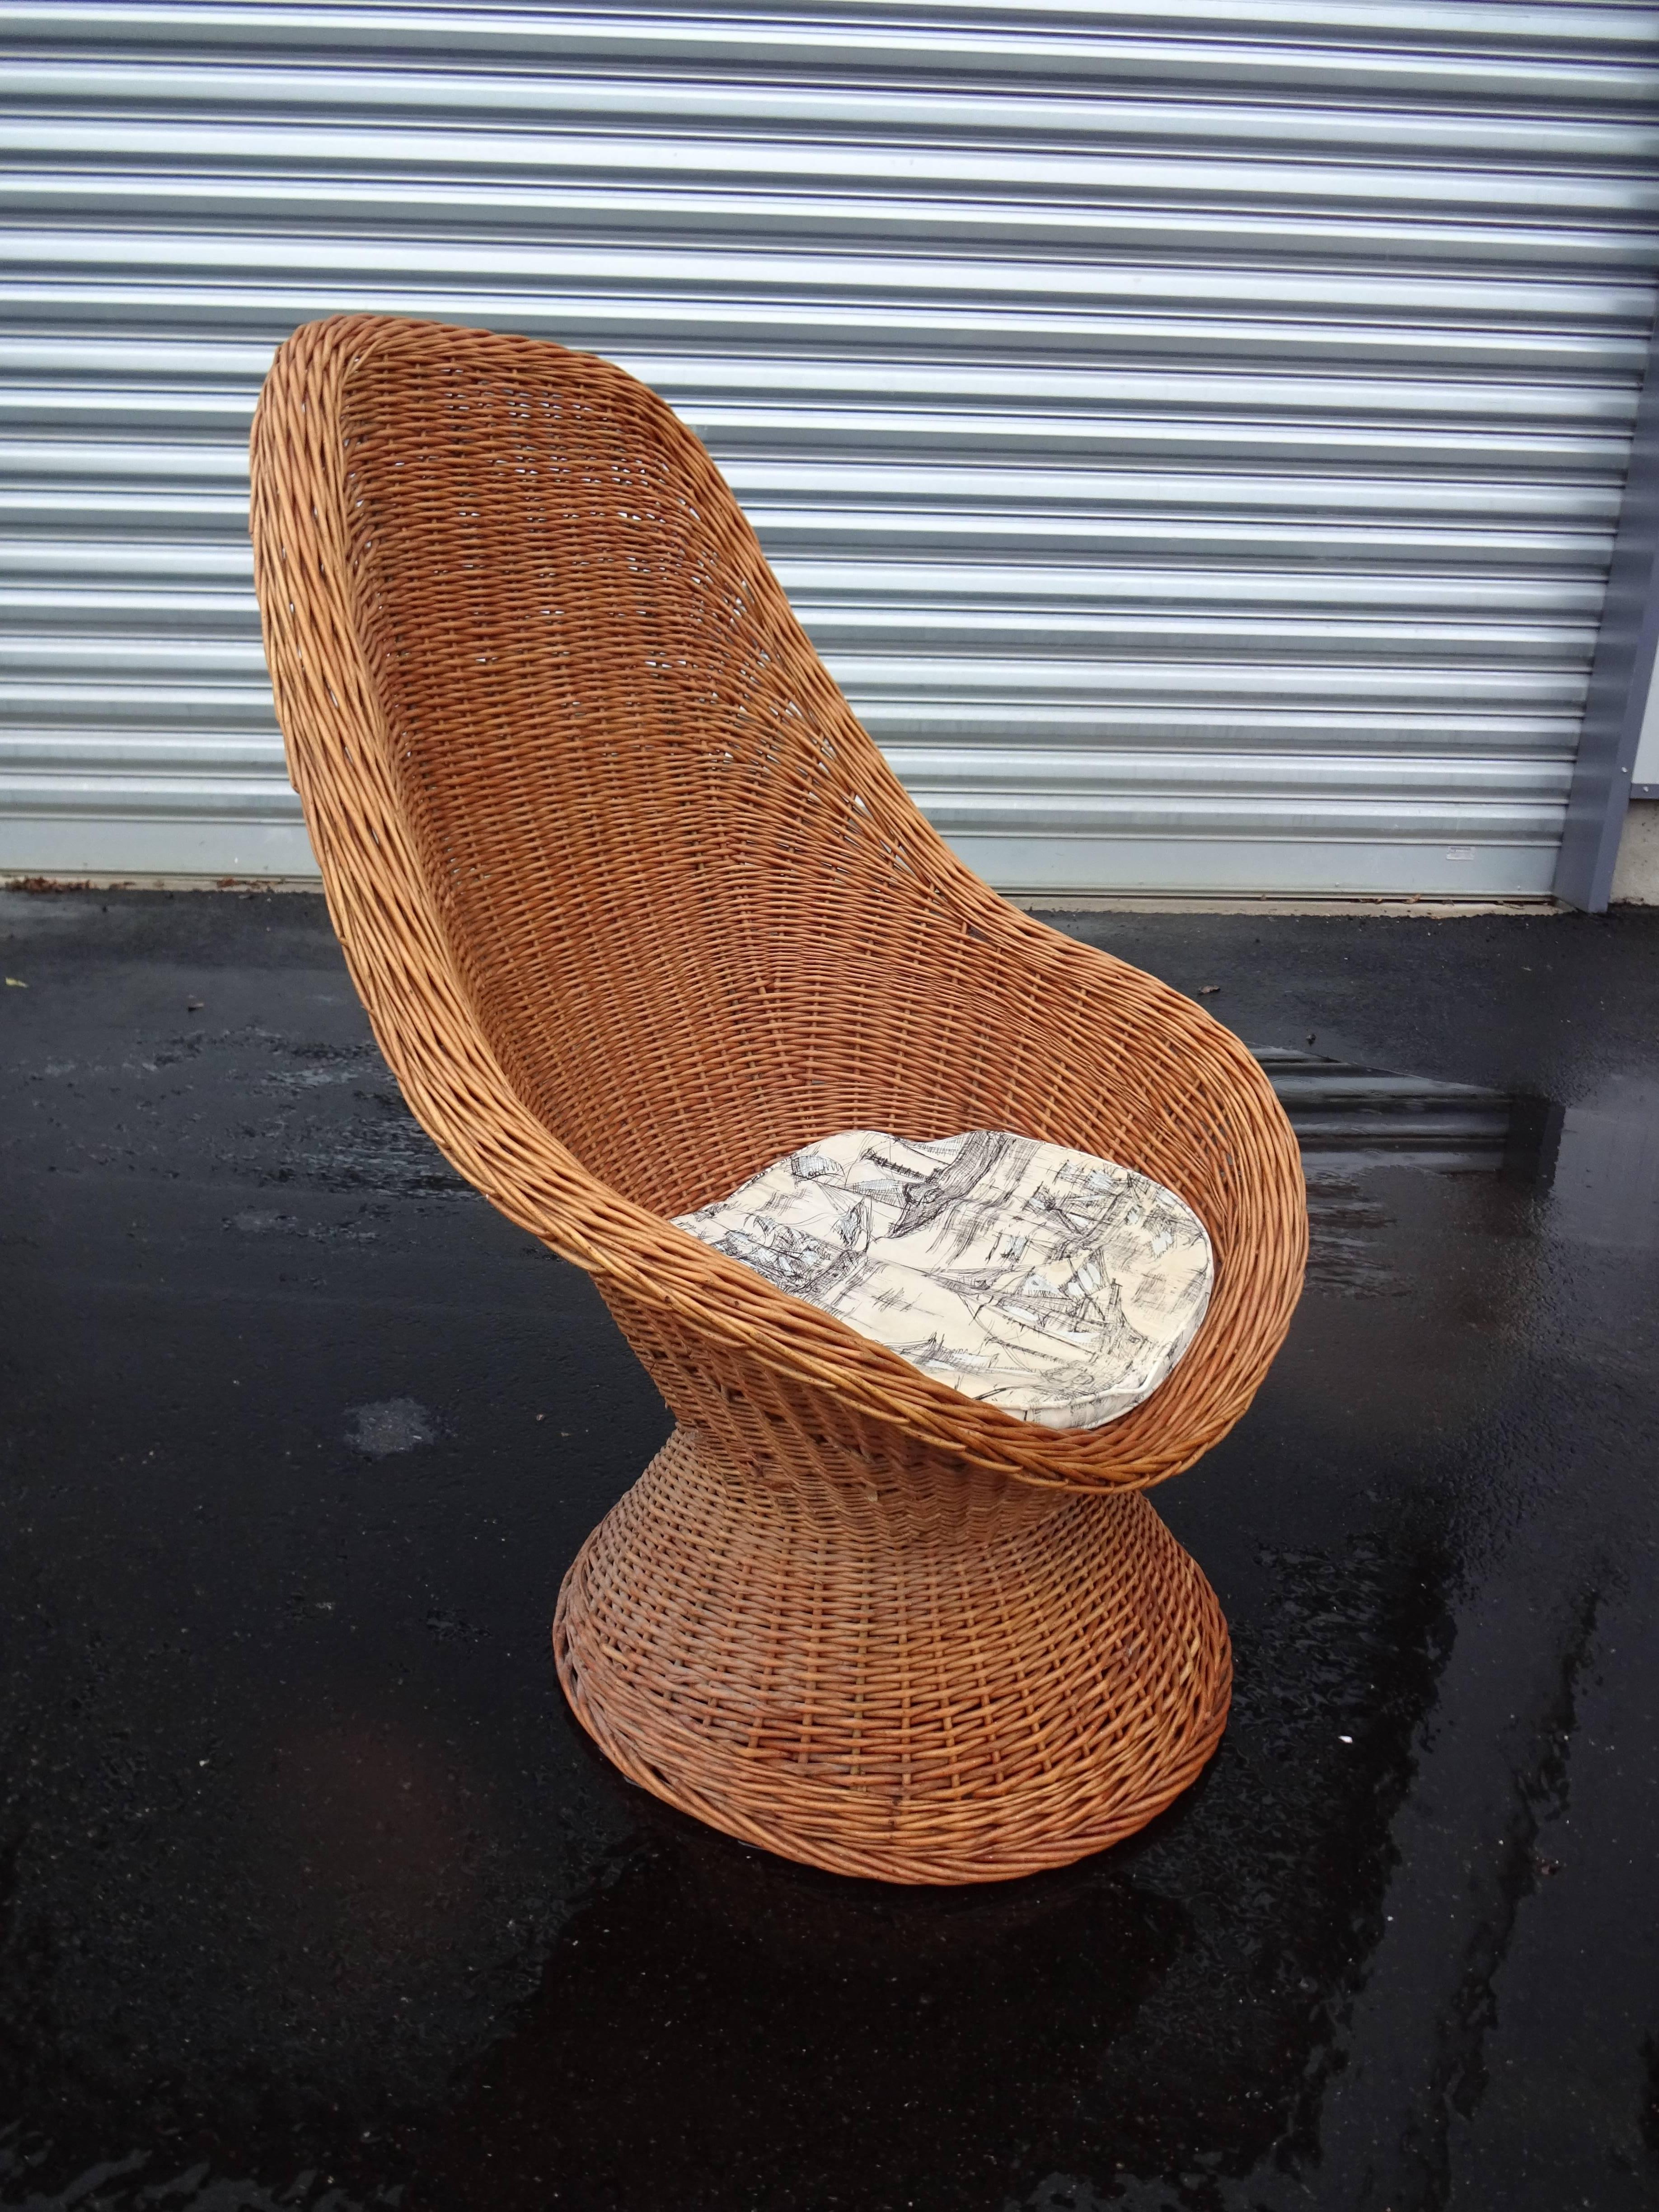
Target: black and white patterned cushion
(1061, 1287)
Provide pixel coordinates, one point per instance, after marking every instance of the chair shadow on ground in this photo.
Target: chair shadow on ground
(910, 2046)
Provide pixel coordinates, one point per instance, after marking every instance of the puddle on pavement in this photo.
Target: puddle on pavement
(1351, 1121)
(1601, 1166)
(1348, 1118)
(1592, 1168)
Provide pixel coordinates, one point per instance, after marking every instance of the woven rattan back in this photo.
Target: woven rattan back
(692, 909)
(635, 903)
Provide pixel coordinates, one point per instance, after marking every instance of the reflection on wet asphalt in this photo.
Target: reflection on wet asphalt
(313, 1895)
(1359, 1117)
(1347, 1119)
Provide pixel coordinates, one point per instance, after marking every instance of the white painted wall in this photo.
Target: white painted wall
(1635, 877)
(1646, 769)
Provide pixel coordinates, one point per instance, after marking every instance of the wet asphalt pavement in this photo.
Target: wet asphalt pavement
(312, 1893)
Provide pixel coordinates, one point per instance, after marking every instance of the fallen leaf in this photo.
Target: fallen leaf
(15, 983)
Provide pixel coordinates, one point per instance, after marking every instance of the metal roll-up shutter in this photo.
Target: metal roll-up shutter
(1192, 433)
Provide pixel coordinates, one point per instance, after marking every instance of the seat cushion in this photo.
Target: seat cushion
(1061, 1287)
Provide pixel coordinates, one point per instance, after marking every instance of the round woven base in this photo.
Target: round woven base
(949, 1677)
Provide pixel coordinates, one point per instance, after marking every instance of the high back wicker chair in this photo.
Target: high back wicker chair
(635, 906)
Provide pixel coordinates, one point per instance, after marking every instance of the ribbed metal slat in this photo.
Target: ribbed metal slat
(1193, 434)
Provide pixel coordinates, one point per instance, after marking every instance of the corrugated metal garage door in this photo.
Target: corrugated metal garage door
(1192, 434)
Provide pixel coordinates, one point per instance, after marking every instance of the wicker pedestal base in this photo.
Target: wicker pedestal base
(944, 1677)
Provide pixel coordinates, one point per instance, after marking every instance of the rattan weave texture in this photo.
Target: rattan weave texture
(635, 906)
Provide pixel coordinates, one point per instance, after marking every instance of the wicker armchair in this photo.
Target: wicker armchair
(635, 906)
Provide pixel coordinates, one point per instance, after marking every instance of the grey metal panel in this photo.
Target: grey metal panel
(1621, 676)
(1193, 433)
